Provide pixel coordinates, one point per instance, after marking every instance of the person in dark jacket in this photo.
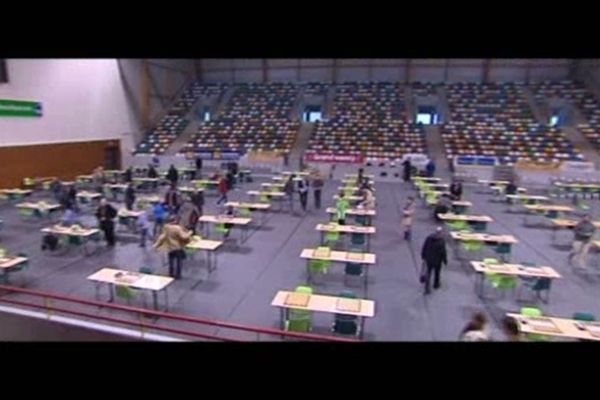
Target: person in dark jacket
(129, 197)
(173, 175)
(430, 168)
(198, 166)
(128, 175)
(288, 189)
(584, 231)
(106, 215)
(303, 193)
(72, 196)
(443, 206)
(172, 200)
(456, 190)
(511, 188)
(198, 200)
(152, 172)
(317, 185)
(407, 169)
(434, 255)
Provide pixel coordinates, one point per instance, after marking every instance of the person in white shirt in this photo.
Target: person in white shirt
(476, 330)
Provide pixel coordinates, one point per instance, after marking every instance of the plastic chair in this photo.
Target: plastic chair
(360, 220)
(221, 228)
(26, 212)
(479, 226)
(503, 249)
(245, 212)
(584, 316)
(458, 225)
(300, 320)
(358, 239)
(331, 237)
(126, 293)
(534, 312)
(146, 270)
(346, 324)
(354, 270)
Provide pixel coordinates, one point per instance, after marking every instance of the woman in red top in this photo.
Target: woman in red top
(222, 190)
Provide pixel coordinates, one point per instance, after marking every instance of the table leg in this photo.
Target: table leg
(155, 299)
(166, 300)
(111, 296)
(308, 276)
(362, 327)
(282, 317)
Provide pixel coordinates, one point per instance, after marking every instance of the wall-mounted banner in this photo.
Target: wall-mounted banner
(333, 158)
(217, 155)
(20, 108)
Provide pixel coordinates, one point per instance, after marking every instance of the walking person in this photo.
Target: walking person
(106, 215)
(407, 170)
(317, 188)
(303, 193)
(129, 197)
(128, 175)
(173, 175)
(288, 189)
(152, 172)
(430, 168)
(222, 188)
(433, 255)
(341, 207)
(198, 200)
(583, 231)
(159, 211)
(144, 226)
(189, 215)
(407, 217)
(198, 172)
(173, 240)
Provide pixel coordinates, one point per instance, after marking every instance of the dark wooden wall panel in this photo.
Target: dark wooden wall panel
(64, 160)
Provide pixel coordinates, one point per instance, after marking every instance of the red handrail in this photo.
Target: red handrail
(159, 314)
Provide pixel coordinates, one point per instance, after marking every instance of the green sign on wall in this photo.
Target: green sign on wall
(20, 108)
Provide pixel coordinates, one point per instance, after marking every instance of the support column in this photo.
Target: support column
(145, 94)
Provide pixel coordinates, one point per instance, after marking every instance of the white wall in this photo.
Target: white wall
(82, 100)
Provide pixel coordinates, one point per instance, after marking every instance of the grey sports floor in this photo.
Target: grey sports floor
(249, 275)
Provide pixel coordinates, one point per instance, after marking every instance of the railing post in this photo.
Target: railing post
(48, 303)
(141, 319)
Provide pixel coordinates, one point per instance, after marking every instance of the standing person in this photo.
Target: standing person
(173, 240)
(511, 188)
(72, 197)
(159, 211)
(65, 199)
(144, 227)
(433, 255)
(173, 175)
(106, 215)
(129, 197)
(360, 178)
(510, 328)
(98, 177)
(407, 217)
(443, 206)
(128, 175)
(152, 172)
(456, 190)
(303, 192)
(172, 200)
(407, 169)
(341, 207)
(368, 201)
(56, 189)
(198, 200)
(198, 172)
(288, 189)
(584, 231)
(229, 177)
(188, 215)
(317, 188)
(222, 188)
(476, 330)
(430, 168)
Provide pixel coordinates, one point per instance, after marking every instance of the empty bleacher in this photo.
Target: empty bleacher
(257, 118)
(494, 119)
(368, 119)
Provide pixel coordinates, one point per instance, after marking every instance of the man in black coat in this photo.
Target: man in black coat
(173, 175)
(129, 197)
(407, 170)
(456, 190)
(152, 172)
(128, 175)
(434, 255)
(106, 215)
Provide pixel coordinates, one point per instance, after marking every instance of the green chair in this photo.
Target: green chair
(221, 228)
(431, 199)
(26, 212)
(458, 225)
(245, 212)
(472, 246)
(318, 266)
(344, 324)
(534, 312)
(126, 293)
(584, 316)
(331, 237)
(263, 198)
(501, 282)
(299, 320)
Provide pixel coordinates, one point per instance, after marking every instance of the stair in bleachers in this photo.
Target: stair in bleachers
(443, 108)
(183, 137)
(435, 148)
(539, 110)
(301, 144)
(582, 144)
(329, 101)
(225, 97)
(409, 104)
(504, 172)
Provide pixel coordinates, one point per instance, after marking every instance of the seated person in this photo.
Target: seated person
(443, 206)
(511, 188)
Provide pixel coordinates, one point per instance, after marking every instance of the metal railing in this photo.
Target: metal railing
(147, 321)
